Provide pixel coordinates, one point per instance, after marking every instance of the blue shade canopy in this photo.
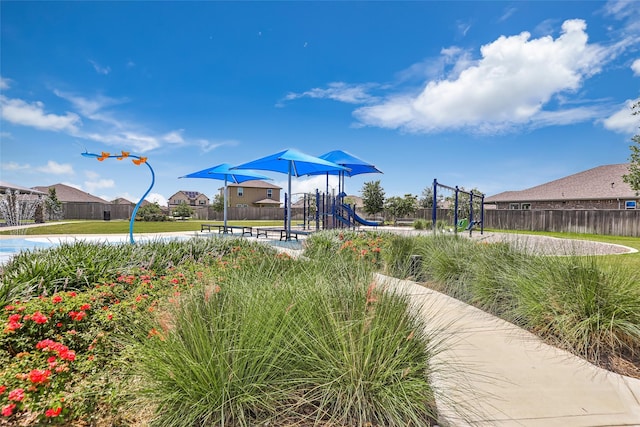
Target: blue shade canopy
(293, 163)
(354, 165)
(223, 172)
(300, 164)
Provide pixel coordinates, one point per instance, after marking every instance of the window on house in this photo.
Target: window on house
(242, 205)
(202, 202)
(240, 192)
(513, 206)
(526, 206)
(269, 193)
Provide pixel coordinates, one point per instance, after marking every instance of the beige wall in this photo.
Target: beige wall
(250, 196)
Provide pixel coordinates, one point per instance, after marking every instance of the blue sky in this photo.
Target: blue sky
(490, 95)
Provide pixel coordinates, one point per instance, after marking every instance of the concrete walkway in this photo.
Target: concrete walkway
(492, 373)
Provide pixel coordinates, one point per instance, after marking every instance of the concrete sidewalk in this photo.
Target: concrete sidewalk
(492, 373)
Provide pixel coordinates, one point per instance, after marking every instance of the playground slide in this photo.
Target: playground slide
(359, 219)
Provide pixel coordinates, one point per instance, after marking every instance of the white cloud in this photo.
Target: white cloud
(207, 146)
(56, 168)
(156, 198)
(5, 135)
(338, 91)
(13, 166)
(507, 87)
(91, 186)
(22, 113)
(174, 137)
(5, 83)
(636, 67)
(99, 68)
(623, 121)
(92, 175)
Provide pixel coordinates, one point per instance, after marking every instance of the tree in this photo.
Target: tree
(218, 203)
(372, 197)
(463, 203)
(150, 212)
(399, 207)
(426, 199)
(53, 205)
(183, 210)
(633, 177)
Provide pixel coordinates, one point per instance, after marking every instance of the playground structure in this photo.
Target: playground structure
(465, 224)
(322, 211)
(327, 212)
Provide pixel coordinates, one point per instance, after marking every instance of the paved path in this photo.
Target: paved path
(492, 373)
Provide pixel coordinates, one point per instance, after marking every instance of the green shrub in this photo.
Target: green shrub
(303, 341)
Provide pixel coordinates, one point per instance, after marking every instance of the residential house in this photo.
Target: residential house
(67, 194)
(191, 198)
(598, 188)
(254, 193)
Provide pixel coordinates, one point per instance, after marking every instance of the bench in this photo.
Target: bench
(283, 233)
(228, 229)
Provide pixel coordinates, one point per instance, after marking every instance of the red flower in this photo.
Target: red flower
(39, 318)
(3, 388)
(85, 307)
(9, 308)
(72, 294)
(50, 413)
(7, 411)
(56, 299)
(39, 376)
(12, 326)
(77, 315)
(67, 354)
(16, 395)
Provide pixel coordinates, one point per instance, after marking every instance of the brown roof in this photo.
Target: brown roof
(65, 193)
(4, 186)
(267, 202)
(600, 183)
(254, 184)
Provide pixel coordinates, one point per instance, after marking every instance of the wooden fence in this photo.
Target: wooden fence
(591, 221)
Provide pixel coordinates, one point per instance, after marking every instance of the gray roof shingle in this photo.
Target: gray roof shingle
(600, 183)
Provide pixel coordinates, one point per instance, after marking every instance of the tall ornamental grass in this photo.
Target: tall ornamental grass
(77, 265)
(287, 342)
(579, 303)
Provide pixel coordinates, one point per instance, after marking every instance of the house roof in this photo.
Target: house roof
(122, 201)
(193, 194)
(267, 202)
(254, 183)
(600, 183)
(65, 193)
(4, 185)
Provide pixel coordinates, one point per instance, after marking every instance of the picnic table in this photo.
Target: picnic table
(283, 233)
(243, 230)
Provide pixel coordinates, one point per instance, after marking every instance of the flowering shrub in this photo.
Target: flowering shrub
(49, 345)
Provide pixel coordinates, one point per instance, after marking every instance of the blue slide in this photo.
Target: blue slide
(359, 219)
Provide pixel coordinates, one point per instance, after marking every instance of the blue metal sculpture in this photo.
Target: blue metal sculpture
(137, 160)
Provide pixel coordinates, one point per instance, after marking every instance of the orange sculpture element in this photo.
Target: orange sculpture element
(104, 156)
(139, 161)
(125, 154)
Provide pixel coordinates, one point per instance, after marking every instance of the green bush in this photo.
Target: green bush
(313, 340)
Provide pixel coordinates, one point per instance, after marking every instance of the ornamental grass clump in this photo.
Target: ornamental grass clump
(581, 306)
(286, 342)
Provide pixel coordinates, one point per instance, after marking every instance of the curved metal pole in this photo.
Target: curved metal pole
(135, 210)
(121, 157)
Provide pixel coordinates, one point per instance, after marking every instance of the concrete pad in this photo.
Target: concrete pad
(491, 373)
